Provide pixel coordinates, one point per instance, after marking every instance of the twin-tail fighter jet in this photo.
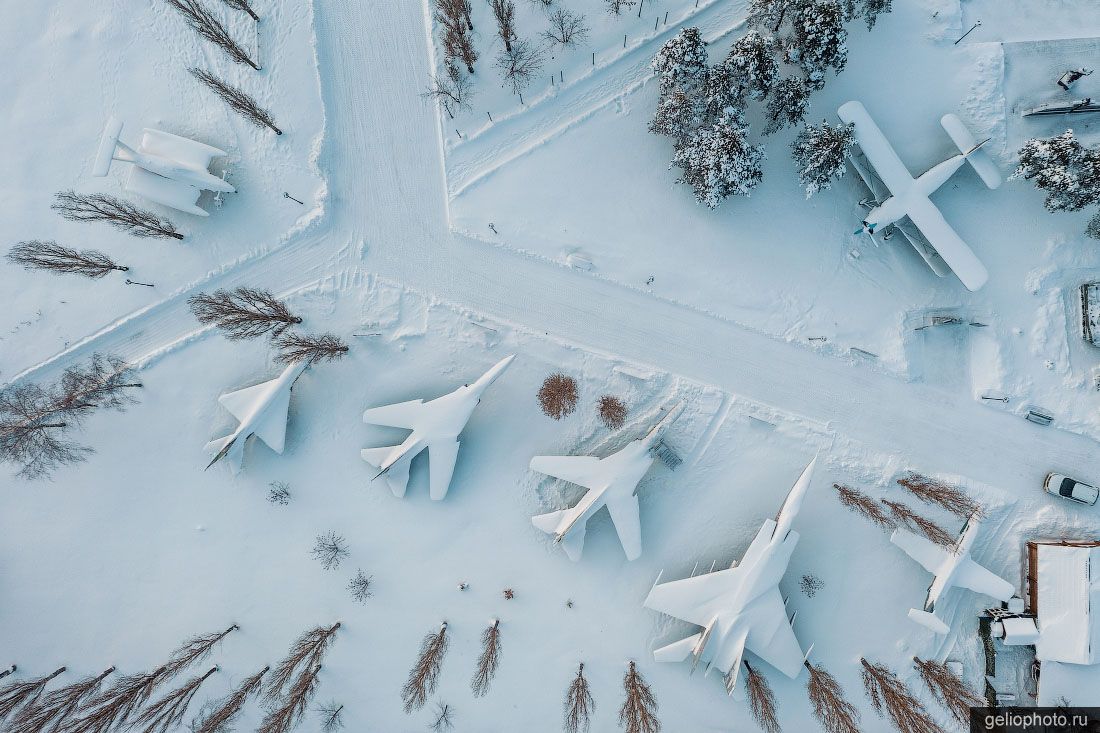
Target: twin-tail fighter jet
(435, 426)
(611, 482)
(739, 609)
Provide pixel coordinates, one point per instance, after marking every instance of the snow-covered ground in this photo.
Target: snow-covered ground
(118, 559)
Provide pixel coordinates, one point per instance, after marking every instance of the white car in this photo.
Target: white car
(1071, 489)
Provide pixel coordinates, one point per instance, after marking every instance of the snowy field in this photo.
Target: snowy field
(116, 560)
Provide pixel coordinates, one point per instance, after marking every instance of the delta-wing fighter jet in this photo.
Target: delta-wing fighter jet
(262, 410)
(435, 425)
(739, 609)
(611, 482)
(949, 568)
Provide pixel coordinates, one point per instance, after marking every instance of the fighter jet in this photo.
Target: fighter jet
(611, 482)
(949, 568)
(262, 410)
(435, 425)
(739, 608)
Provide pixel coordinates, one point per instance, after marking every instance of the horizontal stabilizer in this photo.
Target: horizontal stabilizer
(929, 621)
(548, 523)
(978, 158)
(678, 651)
(231, 448)
(106, 151)
(573, 542)
(397, 476)
(376, 456)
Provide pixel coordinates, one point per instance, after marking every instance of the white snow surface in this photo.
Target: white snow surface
(117, 560)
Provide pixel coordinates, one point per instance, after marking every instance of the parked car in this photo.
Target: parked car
(1071, 489)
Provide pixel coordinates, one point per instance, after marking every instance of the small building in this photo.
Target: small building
(1064, 595)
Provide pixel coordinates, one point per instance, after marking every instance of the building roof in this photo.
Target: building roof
(1077, 684)
(1067, 603)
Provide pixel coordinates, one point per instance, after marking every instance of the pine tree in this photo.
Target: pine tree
(751, 62)
(817, 41)
(831, 708)
(719, 162)
(1093, 227)
(892, 697)
(579, 704)
(768, 15)
(638, 713)
(51, 256)
(682, 61)
(948, 689)
(677, 115)
(1064, 168)
(868, 10)
(787, 104)
(820, 152)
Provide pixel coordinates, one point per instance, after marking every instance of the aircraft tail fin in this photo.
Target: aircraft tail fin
(549, 522)
(929, 621)
(230, 447)
(678, 651)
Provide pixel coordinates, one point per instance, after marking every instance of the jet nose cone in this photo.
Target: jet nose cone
(491, 376)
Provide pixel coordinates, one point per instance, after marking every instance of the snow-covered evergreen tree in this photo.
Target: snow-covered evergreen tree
(817, 40)
(1093, 228)
(718, 161)
(677, 115)
(722, 92)
(787, 104)
(1064, 168)
(682, 61)
(751, 63)
(768, 15)
(868, 10)
(820, 151)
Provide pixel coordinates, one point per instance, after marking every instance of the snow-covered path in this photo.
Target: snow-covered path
(387, 215)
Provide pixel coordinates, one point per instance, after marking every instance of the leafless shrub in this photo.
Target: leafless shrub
(120, 214)
(612, 412)
(453, 17)
(306, 653)
(332, 716)
(168, 712)
(810, 585)
(238, 99)
(453, 92)
(579, 704)
(53, 709)
(891, 696)
(831, 708)
(509, 594)
(444, 718)
(489, 660)
(931, 491)
(228, 709)
(39, 255)
(360, 587)
(558, 395)
(639, 711)
(23, 694)
(761, 700)
(948, 689)
(244, 7)
(425, 673)
(330, 549)
(206, 25)
(519, 64)
(294, 347)
(616, 7)
(283, 717)
(904, 515)
(864, 505)
(243, 313)
(504, 11)
(278, 493)
(567, 29)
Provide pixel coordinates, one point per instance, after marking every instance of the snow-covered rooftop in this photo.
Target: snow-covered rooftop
(1077, 684)
(1068, 604)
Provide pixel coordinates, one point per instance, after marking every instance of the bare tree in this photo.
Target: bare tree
(831, 708)
(8, 671)
(23, 694)
(761, 700)
(330, 549)
(206, 25)
(904, 515)
(458, 44)
(612, 412)
(53, 709)
(891, 696)
(931, 491)
(567, 29)
(238, 99)
(489, 660)
(309, 348)
(616, 7)
(102, 383)
(278, 493)
(306, 653)
(332, 716)
(195, 649)
(39, 255)
(168, 712)
(505, 13)
(243, 313)
(453, 92)
(226, 710)
(948, 689)
(519, 64)
(579, 704)
(360, 587)
(244, 7)
(558, 395)
(120, 214)
(863, 505)
(639, 711)
(444, 718)
(114, 707)
(283, 717)
(425, 673)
